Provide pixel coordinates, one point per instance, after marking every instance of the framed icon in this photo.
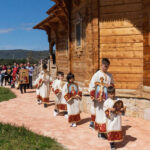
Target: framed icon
(24, 76)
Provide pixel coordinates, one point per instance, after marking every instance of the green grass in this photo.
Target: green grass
(6, 94)
(19, 138)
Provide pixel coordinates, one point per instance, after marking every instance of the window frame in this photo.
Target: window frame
(80, 23)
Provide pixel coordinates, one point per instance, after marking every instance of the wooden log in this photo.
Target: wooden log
(126, 62)
(114, 2)
(121, 16)
(121, 49)
(124, 69)
(128, 77)
(128, 85)
(122, 54)
(121, 8)
(121, 24)
(121, 31)
(121, 45)
(122, 39)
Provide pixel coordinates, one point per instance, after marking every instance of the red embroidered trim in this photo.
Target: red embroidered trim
(67, 97)
(74, 118)
(40, 81)
(51, 83)
(38, 96)
(57, 91)
(36, 85)
(92, 94)
(79, 94)
(44, 99)
(115, 136)
(100, 127)
(62, 107)
(93, 117)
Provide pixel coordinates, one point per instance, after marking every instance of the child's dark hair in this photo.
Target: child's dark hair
(106, 61)
(111, 90)
(70, 76)
(60, 73)
(44, 66)
(97, 70)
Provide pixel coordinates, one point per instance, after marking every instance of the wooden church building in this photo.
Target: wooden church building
(85, 31)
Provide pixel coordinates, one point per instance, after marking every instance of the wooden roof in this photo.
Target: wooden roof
(58, 14)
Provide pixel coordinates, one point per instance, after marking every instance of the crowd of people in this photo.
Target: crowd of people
(106, 109)
(9, 75)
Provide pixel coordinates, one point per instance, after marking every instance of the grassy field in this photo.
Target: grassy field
(19, 138)
(6, 94)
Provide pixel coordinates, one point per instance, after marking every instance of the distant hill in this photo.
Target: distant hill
(23, 54)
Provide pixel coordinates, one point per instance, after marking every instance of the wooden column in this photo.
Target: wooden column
(95, 33)
(69, 36)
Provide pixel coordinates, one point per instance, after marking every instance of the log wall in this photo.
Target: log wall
(82, 57)
(121, 40)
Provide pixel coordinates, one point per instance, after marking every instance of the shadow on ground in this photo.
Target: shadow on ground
(83, 121)
(127, 138)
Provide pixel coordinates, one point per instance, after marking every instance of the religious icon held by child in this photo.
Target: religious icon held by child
(118, 105)
(73, 90)
(100, 90)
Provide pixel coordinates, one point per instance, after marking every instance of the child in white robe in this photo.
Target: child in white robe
(113, 121)
(43, 86)
(93, 103)
(60, 103)
(103, 78)
(72, 95)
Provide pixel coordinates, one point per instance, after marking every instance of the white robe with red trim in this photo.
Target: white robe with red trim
(113, 122)
(97, 107)
(43, 86)
(59, 100)
(73, 105)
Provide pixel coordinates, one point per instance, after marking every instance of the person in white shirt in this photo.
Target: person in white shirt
(72, 94)
(60, 103)
(113, 119)
(30, 68)
(43, 86)
(104, 80)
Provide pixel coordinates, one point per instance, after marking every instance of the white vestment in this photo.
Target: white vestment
(43, 86)
(73, 105)
(97, 106)
(59, 99)
(113, 122)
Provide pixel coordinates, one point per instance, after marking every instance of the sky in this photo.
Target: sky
(17, 17)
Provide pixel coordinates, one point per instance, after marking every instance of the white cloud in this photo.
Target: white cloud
(4, 31)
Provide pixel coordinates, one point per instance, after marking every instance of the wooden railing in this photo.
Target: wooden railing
(50, 67)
